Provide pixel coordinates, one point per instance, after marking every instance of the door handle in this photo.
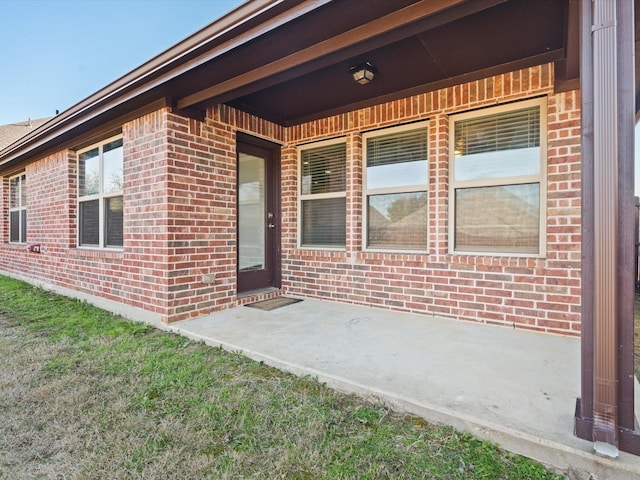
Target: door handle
(271, 225)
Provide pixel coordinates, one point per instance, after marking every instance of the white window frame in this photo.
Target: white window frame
(540, 179)
(382, 191)
(100, 196)
(319, 196)
(22, 180)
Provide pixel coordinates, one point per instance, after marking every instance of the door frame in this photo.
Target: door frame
(273, 248)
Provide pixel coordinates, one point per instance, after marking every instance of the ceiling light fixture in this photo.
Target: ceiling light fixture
(363, 73)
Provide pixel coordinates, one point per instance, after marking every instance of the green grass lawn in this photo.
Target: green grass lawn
(87, 395)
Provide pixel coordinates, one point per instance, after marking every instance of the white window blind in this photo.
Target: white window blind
(494, 133)
(396, 197)
(18, 209)
(100, 195)
(397, 160)
(496, 187)
(323, 196)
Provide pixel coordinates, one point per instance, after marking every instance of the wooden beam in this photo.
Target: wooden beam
(392, 27)
(567, 70)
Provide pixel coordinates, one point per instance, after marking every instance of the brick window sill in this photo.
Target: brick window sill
(98, 253)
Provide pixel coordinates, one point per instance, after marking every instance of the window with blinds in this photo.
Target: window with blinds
(498, 146)
(323, 195)
(396, 178)
(496, 192)
(100, 195)
(495, 133)
(18, 209)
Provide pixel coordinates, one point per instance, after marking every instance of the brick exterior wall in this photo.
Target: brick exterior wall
(180, 218)
(534, 293)
(51, 222)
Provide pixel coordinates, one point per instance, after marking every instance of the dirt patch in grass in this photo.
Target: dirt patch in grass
(85, 395)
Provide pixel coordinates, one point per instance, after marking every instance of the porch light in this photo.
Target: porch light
(363, 73)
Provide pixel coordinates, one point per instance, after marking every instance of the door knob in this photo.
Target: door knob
(271, 225)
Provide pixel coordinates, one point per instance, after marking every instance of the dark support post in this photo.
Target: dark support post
(605, 412)
(583, 427)
(626, 220)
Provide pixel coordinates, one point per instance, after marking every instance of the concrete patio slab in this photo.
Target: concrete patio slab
(517, 388)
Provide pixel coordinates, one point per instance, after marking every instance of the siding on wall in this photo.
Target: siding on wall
(180, 218)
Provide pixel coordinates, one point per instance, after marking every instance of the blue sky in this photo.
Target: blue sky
(55, 53)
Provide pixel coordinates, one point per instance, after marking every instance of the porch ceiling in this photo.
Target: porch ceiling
(301, 71)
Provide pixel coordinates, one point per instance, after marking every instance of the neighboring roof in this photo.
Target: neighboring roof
(288, 61)
(14, 131)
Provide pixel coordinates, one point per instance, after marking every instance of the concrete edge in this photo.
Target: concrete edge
(576, 463)
(122, 309)
(559, 456)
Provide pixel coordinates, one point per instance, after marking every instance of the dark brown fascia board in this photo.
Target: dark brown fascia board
(637, 92)
(567, 70)
(164, 67)
(107, 127)
(541, 59)
(561, 84)
(573, 40)
(395, 26)
(101, 130)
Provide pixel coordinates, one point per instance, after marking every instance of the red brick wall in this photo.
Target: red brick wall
(180, 210)
(145, 252)
(51, 222)
(535, 293)
(179, 218)
(4, 211)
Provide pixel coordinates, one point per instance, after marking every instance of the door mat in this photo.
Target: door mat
(273, 303)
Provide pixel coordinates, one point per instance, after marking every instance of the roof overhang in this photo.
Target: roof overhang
(138, 91)
(288, 61)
